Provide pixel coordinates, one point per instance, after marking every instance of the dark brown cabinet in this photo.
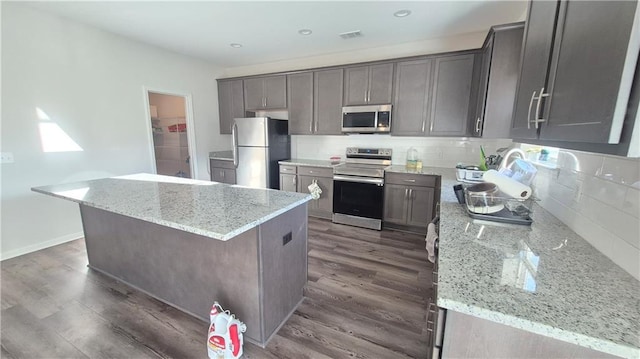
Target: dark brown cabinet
(368, 85)
(230, 103)
(222, 171)
(451, 99)
(410, 200)
(577, 71)
(263, 93)
(411, 104)
(498, 80)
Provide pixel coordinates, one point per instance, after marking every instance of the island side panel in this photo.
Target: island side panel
(185, 270)
(283, 266)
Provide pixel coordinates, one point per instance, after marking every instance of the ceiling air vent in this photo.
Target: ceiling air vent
(351, 34)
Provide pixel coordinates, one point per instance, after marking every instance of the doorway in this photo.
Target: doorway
(171, 132)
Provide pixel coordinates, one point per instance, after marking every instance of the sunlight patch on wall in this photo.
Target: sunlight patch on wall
(52, 137)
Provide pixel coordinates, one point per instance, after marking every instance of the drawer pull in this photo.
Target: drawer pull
(411, 180)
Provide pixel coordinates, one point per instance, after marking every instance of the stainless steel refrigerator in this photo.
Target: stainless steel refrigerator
(258, 144)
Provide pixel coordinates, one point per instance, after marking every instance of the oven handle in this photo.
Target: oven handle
(378, 181)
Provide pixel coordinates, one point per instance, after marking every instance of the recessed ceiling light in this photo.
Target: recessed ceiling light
(402, 13)
(235, 45)
(304, 32)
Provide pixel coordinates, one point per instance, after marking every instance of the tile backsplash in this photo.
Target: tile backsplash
(598, 197)
(436, 152)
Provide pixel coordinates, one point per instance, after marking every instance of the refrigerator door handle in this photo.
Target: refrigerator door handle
(234, 140)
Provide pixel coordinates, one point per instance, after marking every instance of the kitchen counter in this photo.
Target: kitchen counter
(188, 243)
(221, 155)
(544, 279)
(311, 163)
(210, 209)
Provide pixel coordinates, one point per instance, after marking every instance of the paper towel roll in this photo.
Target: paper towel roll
(507, 185)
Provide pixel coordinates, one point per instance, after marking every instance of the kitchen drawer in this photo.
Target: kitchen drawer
(315, 171)
(411, 179)
(288, 169)
(222, 164)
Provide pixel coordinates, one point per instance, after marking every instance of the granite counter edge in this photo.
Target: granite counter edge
(186, 228)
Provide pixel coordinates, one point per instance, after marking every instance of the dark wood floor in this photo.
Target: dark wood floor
(366, 298)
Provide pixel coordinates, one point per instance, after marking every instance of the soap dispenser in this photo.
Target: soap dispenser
(412, 158)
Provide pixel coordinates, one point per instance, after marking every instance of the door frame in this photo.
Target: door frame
(191, 136)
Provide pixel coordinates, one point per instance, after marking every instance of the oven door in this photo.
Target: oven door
(361, 197)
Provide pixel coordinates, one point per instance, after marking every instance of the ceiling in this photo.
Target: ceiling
(268, 30)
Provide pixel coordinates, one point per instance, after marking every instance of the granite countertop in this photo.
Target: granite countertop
(313, 163)
(545, 278)
(221, 155)
(211, 209)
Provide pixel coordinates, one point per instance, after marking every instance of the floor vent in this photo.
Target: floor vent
(351, 34)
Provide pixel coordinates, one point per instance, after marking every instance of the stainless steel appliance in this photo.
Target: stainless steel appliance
(358, 187)
(258, 144)
(366, 119)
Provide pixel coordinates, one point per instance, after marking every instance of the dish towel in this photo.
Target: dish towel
(315, 190)
(431, 238)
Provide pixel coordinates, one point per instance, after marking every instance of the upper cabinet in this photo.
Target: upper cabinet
(327, 102)
(300, 101)
(577, 71)
(451, 99)
(368, 85)
(264, 93)
(230, 103)
(412, 98)
(498, 81)
(315, 102)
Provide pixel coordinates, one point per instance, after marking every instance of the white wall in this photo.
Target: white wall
(598, 197)
(90, 83)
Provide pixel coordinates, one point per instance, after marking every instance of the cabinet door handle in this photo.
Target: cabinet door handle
(222, 174)
(294, 180)
(538, 106)
(411, 193)
(368, 96)
(478, 125)
(406, 193)
(533, 95)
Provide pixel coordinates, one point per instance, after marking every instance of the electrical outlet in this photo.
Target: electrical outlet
(287, 238)
(6, 157)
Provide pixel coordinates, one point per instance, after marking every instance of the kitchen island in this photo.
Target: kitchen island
(189, 243)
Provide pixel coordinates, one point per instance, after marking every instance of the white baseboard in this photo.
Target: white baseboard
(41, 245)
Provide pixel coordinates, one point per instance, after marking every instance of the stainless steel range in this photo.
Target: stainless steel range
(358, 187)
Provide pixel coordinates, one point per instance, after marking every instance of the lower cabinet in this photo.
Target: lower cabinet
(299, 178)
(323, 206)
(288, 182)
(409, 201)
(222, 171)
(466, 336)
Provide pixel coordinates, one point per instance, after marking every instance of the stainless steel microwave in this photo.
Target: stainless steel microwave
(366, 119)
